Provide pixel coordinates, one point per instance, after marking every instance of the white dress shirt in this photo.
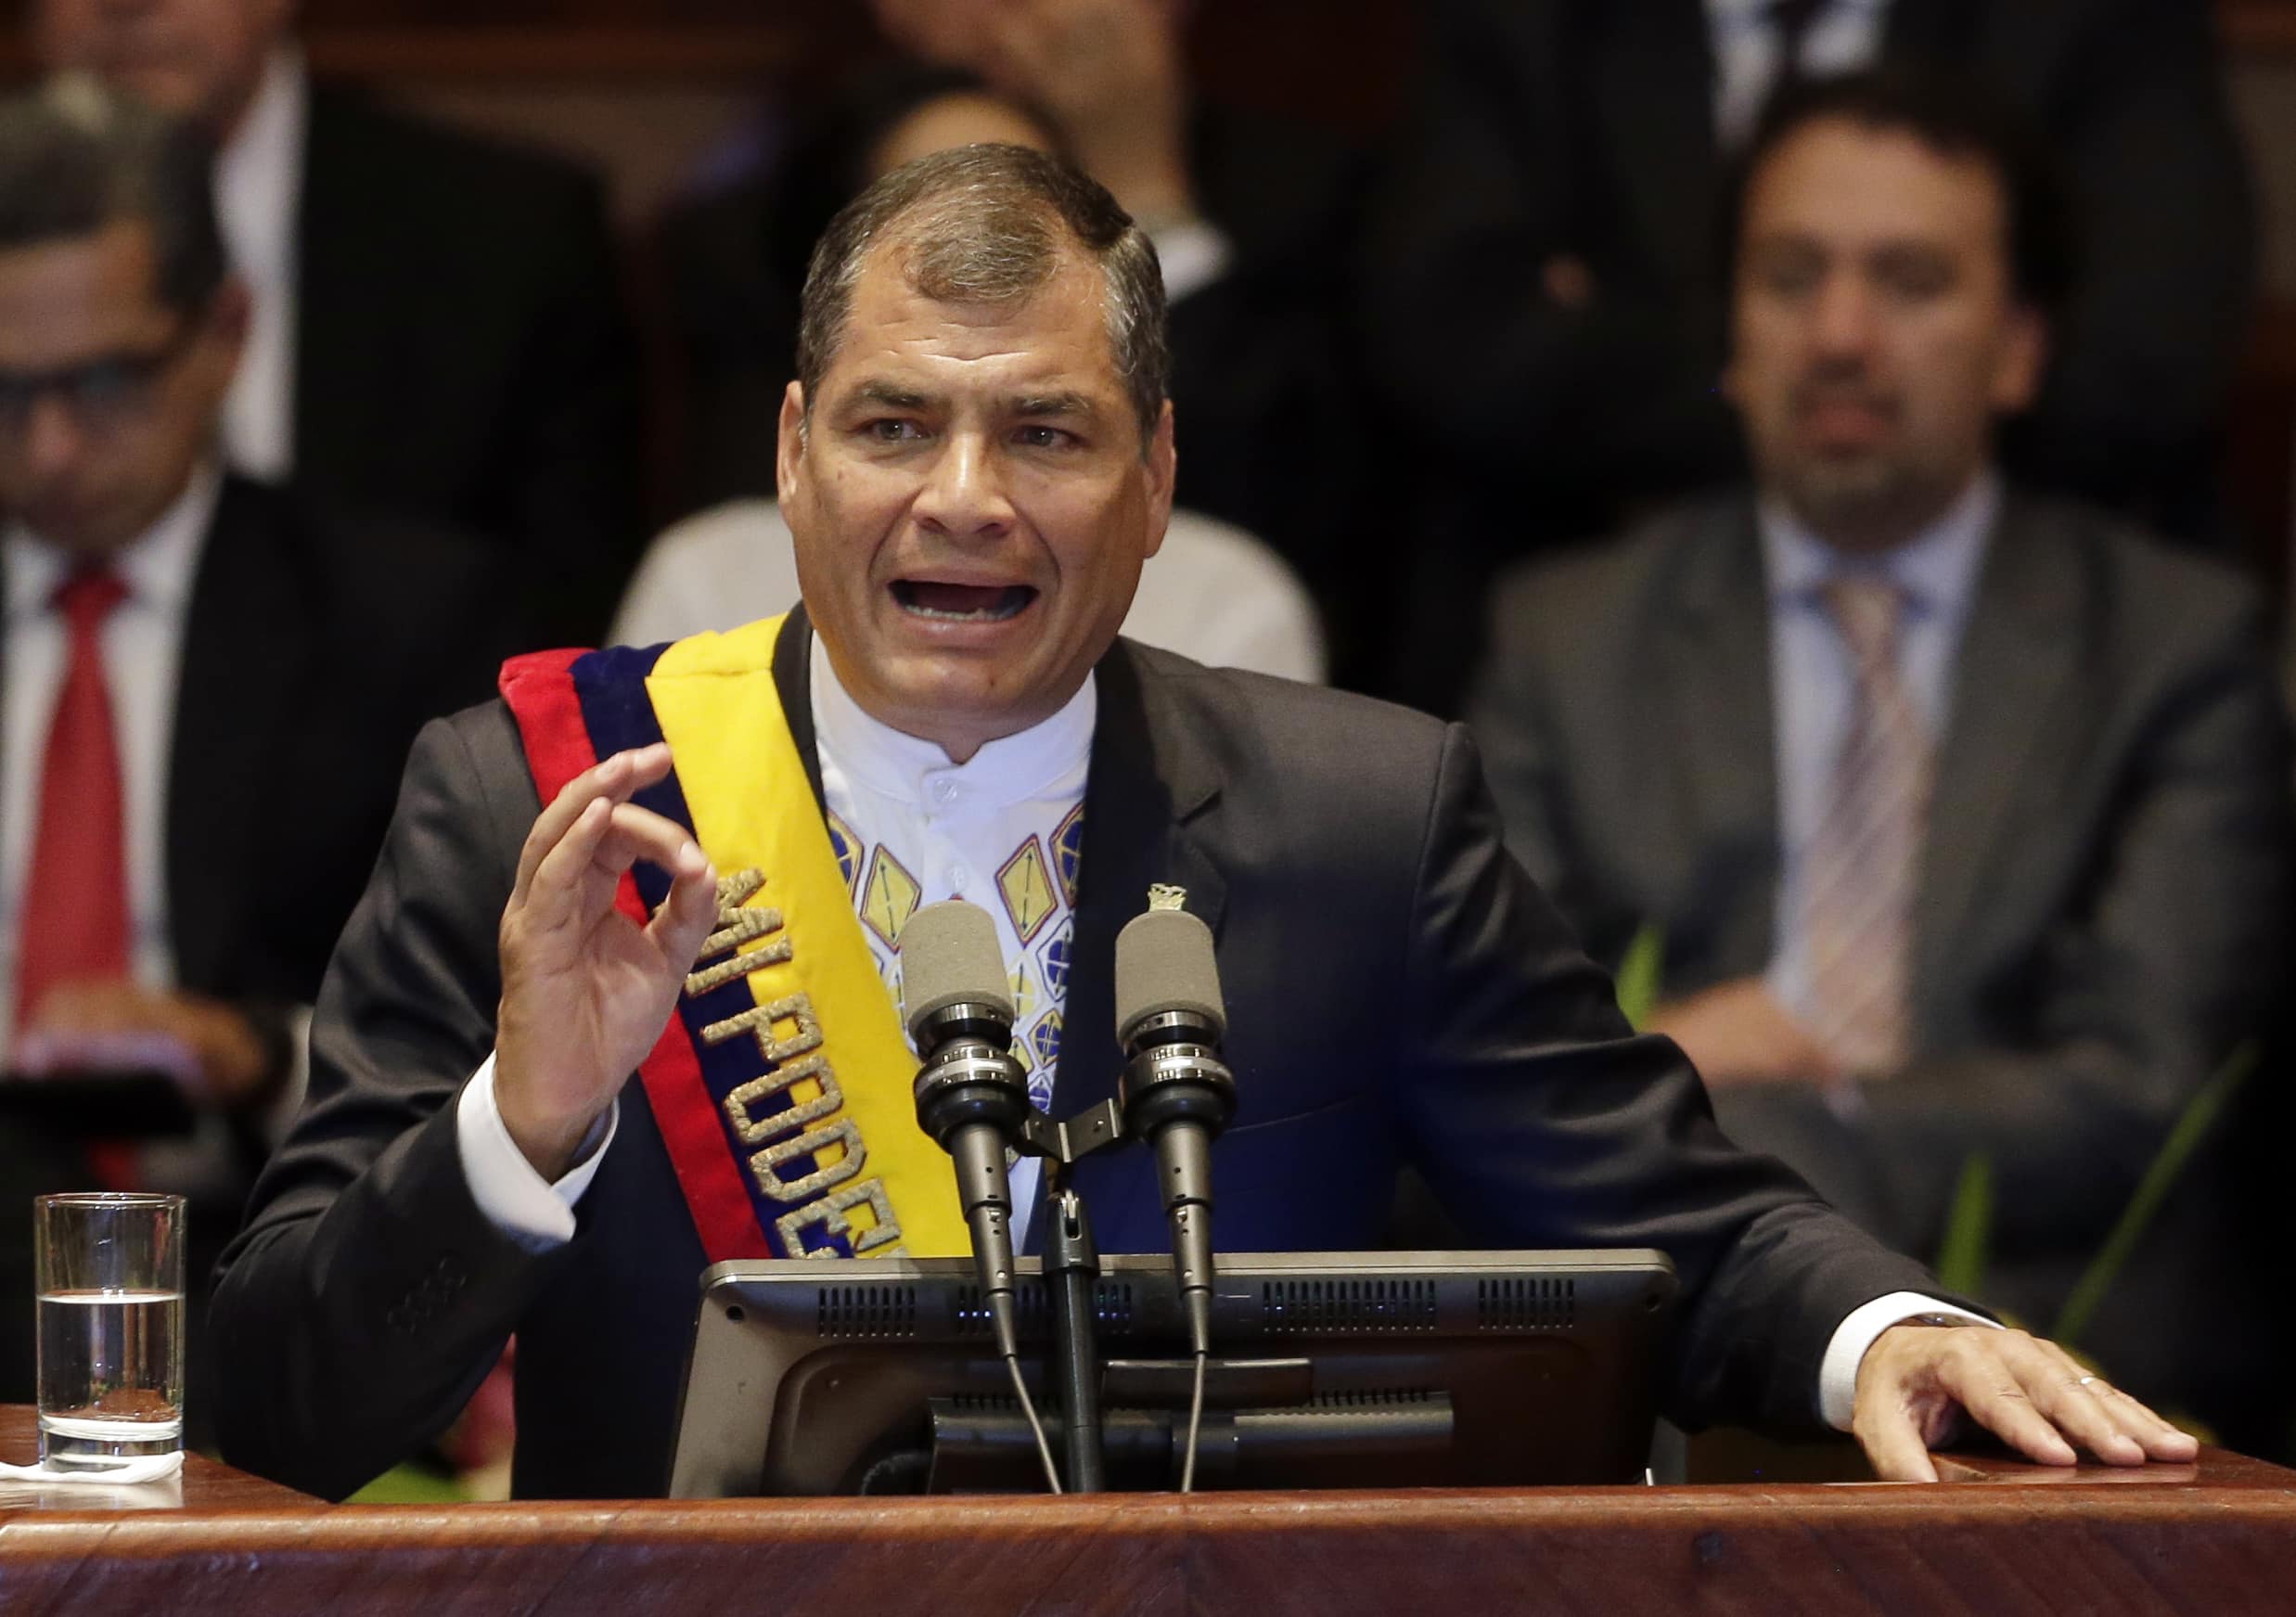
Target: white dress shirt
(1843, 37)
(142, 641)
(956, 822)
(1193, 253)
(259, 188)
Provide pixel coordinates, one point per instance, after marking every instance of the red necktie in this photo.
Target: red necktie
(75, 909)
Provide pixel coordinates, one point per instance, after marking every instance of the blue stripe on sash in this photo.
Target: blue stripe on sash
(610, 685)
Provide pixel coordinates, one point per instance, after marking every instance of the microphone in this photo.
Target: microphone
(1175, 1092)
(971, 1096)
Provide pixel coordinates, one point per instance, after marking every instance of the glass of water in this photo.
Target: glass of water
(110, 1269)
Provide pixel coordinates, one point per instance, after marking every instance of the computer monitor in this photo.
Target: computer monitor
(1333, 1369)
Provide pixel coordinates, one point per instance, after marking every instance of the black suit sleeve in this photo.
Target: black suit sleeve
(1497, 174)
(1542, 1120)
(368, 1294)
(570, 478)
(2165, 239)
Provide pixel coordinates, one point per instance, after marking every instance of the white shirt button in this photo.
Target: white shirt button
(958, 877)
(944, 791)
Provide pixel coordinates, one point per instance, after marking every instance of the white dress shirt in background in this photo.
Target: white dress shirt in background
(259, 189)
(1214, 591)
(1814, 680)
(1844, 36)
(143, 643)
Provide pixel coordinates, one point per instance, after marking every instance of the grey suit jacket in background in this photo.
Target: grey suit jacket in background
(1397, 990)
(2101, 916)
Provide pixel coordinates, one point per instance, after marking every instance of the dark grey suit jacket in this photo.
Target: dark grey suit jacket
(1397, 990)
(2101, 916)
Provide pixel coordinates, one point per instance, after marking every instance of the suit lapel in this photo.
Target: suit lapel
(247, 656)
(2009, 739)
(793, 681)
(1148, 780)
(1713, 667)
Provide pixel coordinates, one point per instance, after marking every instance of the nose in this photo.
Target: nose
(1843, 319)
(964, 495)
(51, 438)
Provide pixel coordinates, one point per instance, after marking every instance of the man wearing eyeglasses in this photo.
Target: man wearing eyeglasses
(205, 686)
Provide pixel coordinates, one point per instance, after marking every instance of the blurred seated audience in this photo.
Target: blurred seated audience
(1962, 813)
(207, 685)
(1545, 298)
(1213, 592)
(437, 327)
(1250, 217)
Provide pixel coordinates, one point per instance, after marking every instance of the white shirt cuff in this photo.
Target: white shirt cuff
(1193, 254)
(1837, 1375)
(517, 1200)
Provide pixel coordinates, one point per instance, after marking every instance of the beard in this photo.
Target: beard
(1863, 499)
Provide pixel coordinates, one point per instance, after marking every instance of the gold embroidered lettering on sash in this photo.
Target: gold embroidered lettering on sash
(829, 1213)
(790, 1060)
(757, 1131)
(765, 1165)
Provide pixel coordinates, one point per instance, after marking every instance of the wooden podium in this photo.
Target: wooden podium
(2215, 1537)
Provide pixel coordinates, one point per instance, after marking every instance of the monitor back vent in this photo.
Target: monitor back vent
(1029, 1306)
(867, 1311)
(1517, 1302)
(1337, 1307)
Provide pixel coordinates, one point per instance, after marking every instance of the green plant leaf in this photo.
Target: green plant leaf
(2200, 1116)
(1639, 975)
(1969, 1228)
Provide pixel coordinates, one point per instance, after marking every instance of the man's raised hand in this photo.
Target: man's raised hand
(585, 989)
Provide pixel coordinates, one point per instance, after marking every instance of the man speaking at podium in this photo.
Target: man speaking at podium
(976, 460)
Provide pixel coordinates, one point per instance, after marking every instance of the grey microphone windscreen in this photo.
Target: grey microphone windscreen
(1164, 962)
(949, 954)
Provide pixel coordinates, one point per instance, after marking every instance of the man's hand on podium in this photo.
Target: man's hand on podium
(585, 989)
(1918, 1382)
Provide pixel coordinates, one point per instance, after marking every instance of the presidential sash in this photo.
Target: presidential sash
(782, 1085)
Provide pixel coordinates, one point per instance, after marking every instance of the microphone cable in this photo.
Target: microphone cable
(1027, 1407)
(1195, 1424)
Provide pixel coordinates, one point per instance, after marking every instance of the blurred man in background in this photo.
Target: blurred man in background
(1963, 813)
(1543, 287)
(206, 684)
(435, 326)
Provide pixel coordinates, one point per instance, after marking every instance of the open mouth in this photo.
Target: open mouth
(962, 603)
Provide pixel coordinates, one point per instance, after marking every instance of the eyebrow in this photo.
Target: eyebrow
(1060, 404)
(890, 396)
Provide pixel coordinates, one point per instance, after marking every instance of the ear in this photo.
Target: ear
(789, 445)
(222, 335)
(232, 314)
(1163, 469)
(2022, 362)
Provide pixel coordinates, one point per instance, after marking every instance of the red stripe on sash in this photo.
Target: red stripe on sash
(540, 690)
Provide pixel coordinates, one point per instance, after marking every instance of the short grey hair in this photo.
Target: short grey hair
(989, 225)
(77, 158)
